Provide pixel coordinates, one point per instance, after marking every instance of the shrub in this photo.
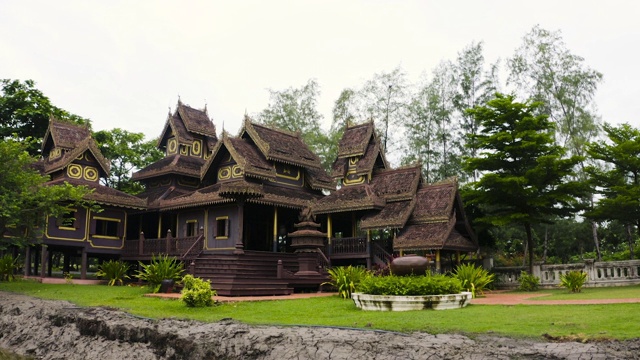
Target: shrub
(573, 280)
(8, 264)
(473, 279)
(346, 279)
(528, 282)
(410, 285)
(197, 292)
(161, 268)
(114, 271)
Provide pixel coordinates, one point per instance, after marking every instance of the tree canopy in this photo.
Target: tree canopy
(25, 112)
(525, 177)
(24, 201)
(127, 152)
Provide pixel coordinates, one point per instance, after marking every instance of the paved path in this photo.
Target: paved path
(510, 298)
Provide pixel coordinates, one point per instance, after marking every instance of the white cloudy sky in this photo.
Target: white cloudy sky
(124, 63)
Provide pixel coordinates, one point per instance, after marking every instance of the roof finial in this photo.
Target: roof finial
(179, 100)
(205, 107)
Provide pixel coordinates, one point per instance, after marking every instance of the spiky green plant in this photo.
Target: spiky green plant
(8, 264)
(573, 280)
(473, 279)
(346, 279)
(114, 271)
(162, 267)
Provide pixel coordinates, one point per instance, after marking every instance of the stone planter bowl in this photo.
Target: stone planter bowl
(407, 303)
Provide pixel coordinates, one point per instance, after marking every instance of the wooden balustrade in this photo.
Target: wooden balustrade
(354, 245)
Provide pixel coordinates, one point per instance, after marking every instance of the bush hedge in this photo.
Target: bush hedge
(410, 285)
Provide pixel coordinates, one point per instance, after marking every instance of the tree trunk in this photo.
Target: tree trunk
(596, 242)
(527, 227)
(546, 243)
(630, 241)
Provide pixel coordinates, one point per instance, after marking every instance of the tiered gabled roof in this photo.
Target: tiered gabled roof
(280, 145)
(50, 166)
(246, 155)
(186, 122)
(64, 135)
(359, 142)
(437, 221)
(74, 141)
(386, 187)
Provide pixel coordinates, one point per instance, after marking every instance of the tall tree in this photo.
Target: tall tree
(24, 200)
(543, 69)
(127, 152)
(475, 86)
(385, 98)
(295, 110)
(25, 112)
(620, 184)
(525, 178)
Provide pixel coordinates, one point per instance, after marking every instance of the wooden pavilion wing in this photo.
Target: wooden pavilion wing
(349, 198)
(173, 164)
(209, 195)
(394, 215)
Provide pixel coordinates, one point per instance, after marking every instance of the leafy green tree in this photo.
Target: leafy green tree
(525, 179)
(295, 110)
(25, 112)
(127, 152)
(620, 184)
(543, 69)
(24, 199)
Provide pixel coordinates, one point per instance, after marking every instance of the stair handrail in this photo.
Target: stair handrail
(193, 246)
(381, 253)
(323, 257)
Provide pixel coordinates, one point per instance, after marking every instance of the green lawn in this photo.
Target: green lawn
(621, 292)
(614, 321)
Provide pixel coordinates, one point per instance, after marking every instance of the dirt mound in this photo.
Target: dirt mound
(46, 329)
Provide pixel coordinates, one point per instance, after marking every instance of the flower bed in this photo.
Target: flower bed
(412, 302)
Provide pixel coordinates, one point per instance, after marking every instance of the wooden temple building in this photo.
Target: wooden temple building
(255, 213)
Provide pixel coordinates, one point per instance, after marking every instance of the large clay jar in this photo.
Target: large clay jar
(409, 264)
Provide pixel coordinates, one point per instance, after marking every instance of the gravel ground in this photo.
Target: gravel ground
(45, 329)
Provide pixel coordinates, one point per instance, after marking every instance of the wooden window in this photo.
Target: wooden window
(192, 228)
(67, 221)
(222, 227)
(107, 228)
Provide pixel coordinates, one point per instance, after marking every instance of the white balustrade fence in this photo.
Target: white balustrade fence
(608, 273)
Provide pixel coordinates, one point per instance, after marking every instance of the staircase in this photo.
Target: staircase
(250, 274)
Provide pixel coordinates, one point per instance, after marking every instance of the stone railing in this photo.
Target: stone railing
(609, 273)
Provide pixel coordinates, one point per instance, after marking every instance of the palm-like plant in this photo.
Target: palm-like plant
(114, 271)
(161, 268)
(346, 279)
(473, 279)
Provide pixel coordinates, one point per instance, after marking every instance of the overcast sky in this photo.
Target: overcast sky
(124, 63)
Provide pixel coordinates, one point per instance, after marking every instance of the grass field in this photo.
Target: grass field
(622, 292)
(613, 321)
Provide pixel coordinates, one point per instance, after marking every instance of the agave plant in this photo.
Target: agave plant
(346, 279)
(473, 279)
(114, 271)
(573, 280)
(161, 268)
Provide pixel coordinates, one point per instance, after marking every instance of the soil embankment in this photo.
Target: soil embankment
(45, 329)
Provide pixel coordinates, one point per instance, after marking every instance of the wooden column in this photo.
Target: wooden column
(167, 242)
(36, 259)
(329, 233)
(239, 242)
(27, 261)
(49, 263)
(458, 257)
(159, 226)
(438, 261)
(83, 264)
(369, 249)
(275, 229)
(43, 261)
